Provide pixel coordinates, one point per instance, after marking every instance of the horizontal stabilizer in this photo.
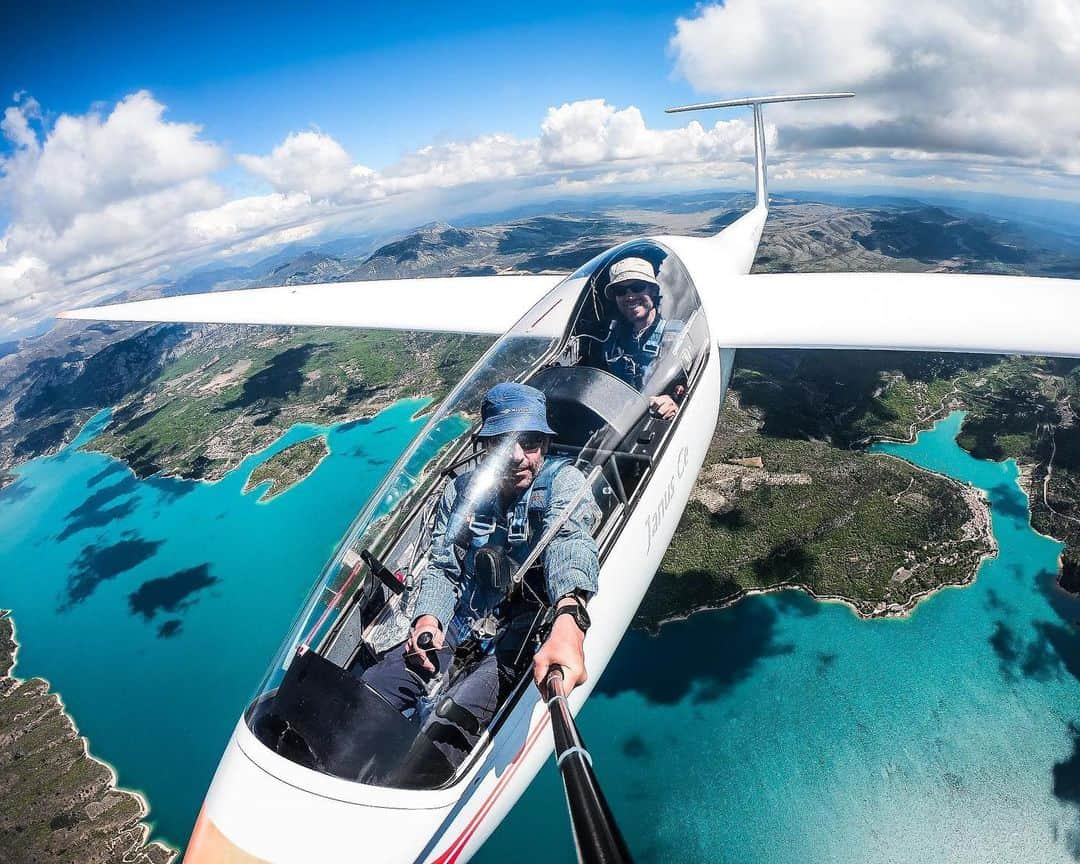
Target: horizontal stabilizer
(757, 100)
(465, 304)
(899, 311)
(759, 132)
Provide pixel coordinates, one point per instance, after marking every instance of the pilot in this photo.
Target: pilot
(639, 335)
(488, 522)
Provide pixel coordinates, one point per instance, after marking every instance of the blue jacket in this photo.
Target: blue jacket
(571, 560)
(635, 359)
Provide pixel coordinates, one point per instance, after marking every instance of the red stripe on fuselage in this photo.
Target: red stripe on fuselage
(455, 849)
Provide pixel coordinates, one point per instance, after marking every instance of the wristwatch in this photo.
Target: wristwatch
(577, 611)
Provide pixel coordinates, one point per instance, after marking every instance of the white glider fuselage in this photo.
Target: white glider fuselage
(264, 807)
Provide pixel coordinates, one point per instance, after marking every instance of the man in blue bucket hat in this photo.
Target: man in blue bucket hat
(473, 621)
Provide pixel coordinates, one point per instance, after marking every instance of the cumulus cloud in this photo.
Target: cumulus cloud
(312, 163)
(593, 132)
(998, 79)
(87, 163)
(121, 196)
(112, 200)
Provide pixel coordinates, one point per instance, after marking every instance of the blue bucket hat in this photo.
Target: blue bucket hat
(512, 407)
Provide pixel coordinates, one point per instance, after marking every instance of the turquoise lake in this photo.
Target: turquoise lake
(154, 607)
(778, 730)
(787, 731)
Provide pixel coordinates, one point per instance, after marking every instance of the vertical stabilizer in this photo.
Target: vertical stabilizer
(759, 128)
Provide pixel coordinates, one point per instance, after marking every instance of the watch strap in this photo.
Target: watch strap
(577, 612)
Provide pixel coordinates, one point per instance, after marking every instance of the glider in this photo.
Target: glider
(317, 768)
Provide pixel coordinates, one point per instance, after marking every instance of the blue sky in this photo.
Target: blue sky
(139, 140)
(383, 80)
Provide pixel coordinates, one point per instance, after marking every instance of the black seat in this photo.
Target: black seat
(583, 401)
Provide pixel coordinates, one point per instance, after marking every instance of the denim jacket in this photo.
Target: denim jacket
(451, 593)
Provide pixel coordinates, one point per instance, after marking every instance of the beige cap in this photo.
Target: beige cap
(631, 270)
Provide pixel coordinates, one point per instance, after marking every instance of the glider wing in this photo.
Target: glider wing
(899, 311)
(464, 304)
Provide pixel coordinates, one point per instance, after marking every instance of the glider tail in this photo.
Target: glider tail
(759, 127)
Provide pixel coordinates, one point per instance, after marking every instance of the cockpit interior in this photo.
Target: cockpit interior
(312, 706)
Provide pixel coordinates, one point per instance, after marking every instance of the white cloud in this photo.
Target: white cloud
(313, 163)
(115, 199)
(592, 132)
(111, 201)
(999, 79)
(88, 162)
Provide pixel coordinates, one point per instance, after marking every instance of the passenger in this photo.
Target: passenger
(640, 335)
(487, 523)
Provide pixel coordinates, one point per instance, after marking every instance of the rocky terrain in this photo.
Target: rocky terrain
(192, 401)
(812, 413)
(60, 804)
(772, 511)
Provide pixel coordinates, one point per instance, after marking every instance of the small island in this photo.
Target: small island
(60, 803)
(288, 467)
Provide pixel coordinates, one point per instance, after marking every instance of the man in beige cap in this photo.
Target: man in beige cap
(638, 337)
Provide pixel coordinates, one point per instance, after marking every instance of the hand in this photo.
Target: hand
(424, 624)
(663, 407)
(563, 648)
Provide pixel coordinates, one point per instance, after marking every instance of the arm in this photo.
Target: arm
(572, 568)
(571, 559)
(665, 405)
(440, 583)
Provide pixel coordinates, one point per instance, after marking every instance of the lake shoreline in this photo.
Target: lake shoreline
(160, 850)
(978, 504)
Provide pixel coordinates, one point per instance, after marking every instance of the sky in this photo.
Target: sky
(137, 141)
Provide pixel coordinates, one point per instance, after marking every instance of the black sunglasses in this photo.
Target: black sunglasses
(632, 288)
(527, 441)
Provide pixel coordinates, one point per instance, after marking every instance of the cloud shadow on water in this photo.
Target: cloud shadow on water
(16, 491)
(169, 629)
(1065, 605)
(108, 471)
(173, 593)
(171, 489)
(354, 424)
(94, 512)
(994, 601)
(1042, 662)
(97, 564)
(635, 747)
(1066, 788)
(1006, 645)
(797, 603)
(1007, 501)
(704, 655)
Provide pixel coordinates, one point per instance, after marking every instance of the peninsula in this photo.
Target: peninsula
(83, 817)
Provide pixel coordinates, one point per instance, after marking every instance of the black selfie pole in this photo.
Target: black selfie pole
(596, 835)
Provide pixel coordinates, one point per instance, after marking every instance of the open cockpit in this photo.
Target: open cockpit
(313, 706)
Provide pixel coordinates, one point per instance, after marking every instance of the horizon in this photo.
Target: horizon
(179, 143)
(1009, 208)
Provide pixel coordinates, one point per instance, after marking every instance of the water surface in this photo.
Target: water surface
(779, 730)
(154, 607)
(787, 731)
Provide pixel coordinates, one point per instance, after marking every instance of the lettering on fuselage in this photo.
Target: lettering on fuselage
(656, 518)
